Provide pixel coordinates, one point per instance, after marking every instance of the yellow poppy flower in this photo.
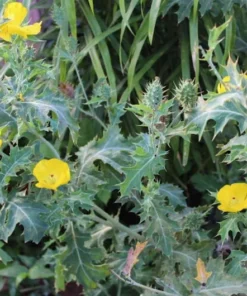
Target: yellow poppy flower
(233, 198)
(15, 12)
(51, 173)
(222, 88)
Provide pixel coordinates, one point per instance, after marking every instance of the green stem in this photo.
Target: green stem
(134, 283)
(27, 290)
(211, 65)
(94, 117)
(119, 289)
(42, 139)
(116, 224)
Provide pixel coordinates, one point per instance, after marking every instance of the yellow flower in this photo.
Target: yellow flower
(15, 12)
(233, 198)
(222, 88)
(1, 143)
(51, 173)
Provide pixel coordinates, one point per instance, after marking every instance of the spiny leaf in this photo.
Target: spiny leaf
(148, 162)
(79, 260)
(238, 264)
(155, 214)
(227, 6)
(112, 149)
(184, 9)
(221, 109)
(160, 229)
(214, 38)
(39, 110)
(17, 160)
(6, 118)
(227, 226)
(205, 6)
(58, 15)
(237, 149)
(28, 215)
(174, 194)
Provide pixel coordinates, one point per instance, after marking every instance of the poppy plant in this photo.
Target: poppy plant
(15, 14)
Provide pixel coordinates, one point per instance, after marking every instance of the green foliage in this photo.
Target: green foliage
(148, 162)
(78, 259)
(13, 163)
(231, 224)
(28, 215)
(236, 148)
(145, 166)
(173, 193)
(221, 110)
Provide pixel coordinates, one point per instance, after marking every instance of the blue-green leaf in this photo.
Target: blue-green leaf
(79, 260)
(221, 109)
(10, 164)
(39, 110)
(148, 162)
(25, 213)
(174, 194)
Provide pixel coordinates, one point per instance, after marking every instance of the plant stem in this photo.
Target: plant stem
(94, 117)
(212, 66)
(134, 283)
(42, 139)
(116, 224)
(26, 290)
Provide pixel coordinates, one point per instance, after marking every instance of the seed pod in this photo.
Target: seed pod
(186, 94)
(154, 94)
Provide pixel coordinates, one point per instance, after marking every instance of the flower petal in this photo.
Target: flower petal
(239, 190)
(9, 29)
(16, 12)
(31, 29)
(4, 33)
(224, 195)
